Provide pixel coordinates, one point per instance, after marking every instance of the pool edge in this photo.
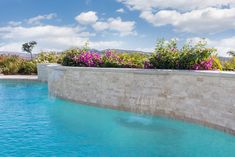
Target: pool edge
(32, 78)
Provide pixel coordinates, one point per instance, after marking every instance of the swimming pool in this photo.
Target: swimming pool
(35, 124)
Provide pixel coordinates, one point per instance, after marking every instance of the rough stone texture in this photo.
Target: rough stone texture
(43, 71)
(204, 97)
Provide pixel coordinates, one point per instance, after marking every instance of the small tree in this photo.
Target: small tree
(28, 47)
(231, 53)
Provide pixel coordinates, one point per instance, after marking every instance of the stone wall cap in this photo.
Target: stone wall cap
(147, 71)
(18, 77)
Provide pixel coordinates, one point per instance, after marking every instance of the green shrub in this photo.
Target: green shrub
(216, 65)
(192, 55)
(229, 65)
(133, 60)
(48, 57)
(68, 55)
(168, 56)
(28, 68)
(123, 60)
(10, 65)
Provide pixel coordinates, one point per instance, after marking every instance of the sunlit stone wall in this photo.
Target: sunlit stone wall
(204, 97)
(42, 70)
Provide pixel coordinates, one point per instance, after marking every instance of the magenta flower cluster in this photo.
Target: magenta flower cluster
(88, 59)
(148, 65)
(204, 65)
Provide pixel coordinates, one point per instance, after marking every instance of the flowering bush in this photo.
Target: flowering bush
(68, 55)
(111, 59)
(108, 59)
(203, 65)
(88, 59)
(196, 57)
(166, 56)
(148, 65)
(193, 55)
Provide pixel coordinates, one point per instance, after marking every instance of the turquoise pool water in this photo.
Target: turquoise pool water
(34, 124)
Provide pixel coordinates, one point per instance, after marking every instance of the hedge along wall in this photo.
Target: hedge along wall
(207, 98)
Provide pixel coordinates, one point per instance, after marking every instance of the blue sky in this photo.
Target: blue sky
(124, 24)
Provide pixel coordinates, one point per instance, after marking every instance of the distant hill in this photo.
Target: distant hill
(117, 50)
(224, 59)
(127, 51)
(20, 54)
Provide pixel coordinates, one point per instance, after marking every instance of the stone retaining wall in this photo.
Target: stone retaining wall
(43, 71)
(204, 97)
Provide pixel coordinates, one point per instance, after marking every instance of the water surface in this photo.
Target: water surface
(35, 124)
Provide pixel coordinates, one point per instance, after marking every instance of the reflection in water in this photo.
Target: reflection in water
(146, 124)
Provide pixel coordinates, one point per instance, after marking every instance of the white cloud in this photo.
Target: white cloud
(101, 45)
(117, 25)
(14, 33)
(37, 19)
(209, 20)
(86, 18)
(49, 37)
(124, 27)
(57, 38)
(111, 24)
(121, 10)
(11, 47)
(182, 5)
(222, 45)
(14, 23)
(100, 26)
(195, 16)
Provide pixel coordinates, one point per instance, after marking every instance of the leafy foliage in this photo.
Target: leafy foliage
(11, 65)
(123, 60)
(196, 57)
(107, 59)
(48, 57)
(68, 55)
(231, 53)
(216, 64)
(28, 47)
(28, 68)
(230, 64)
(166, 55)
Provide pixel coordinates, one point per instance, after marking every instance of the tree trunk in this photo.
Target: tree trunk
(31, 56)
